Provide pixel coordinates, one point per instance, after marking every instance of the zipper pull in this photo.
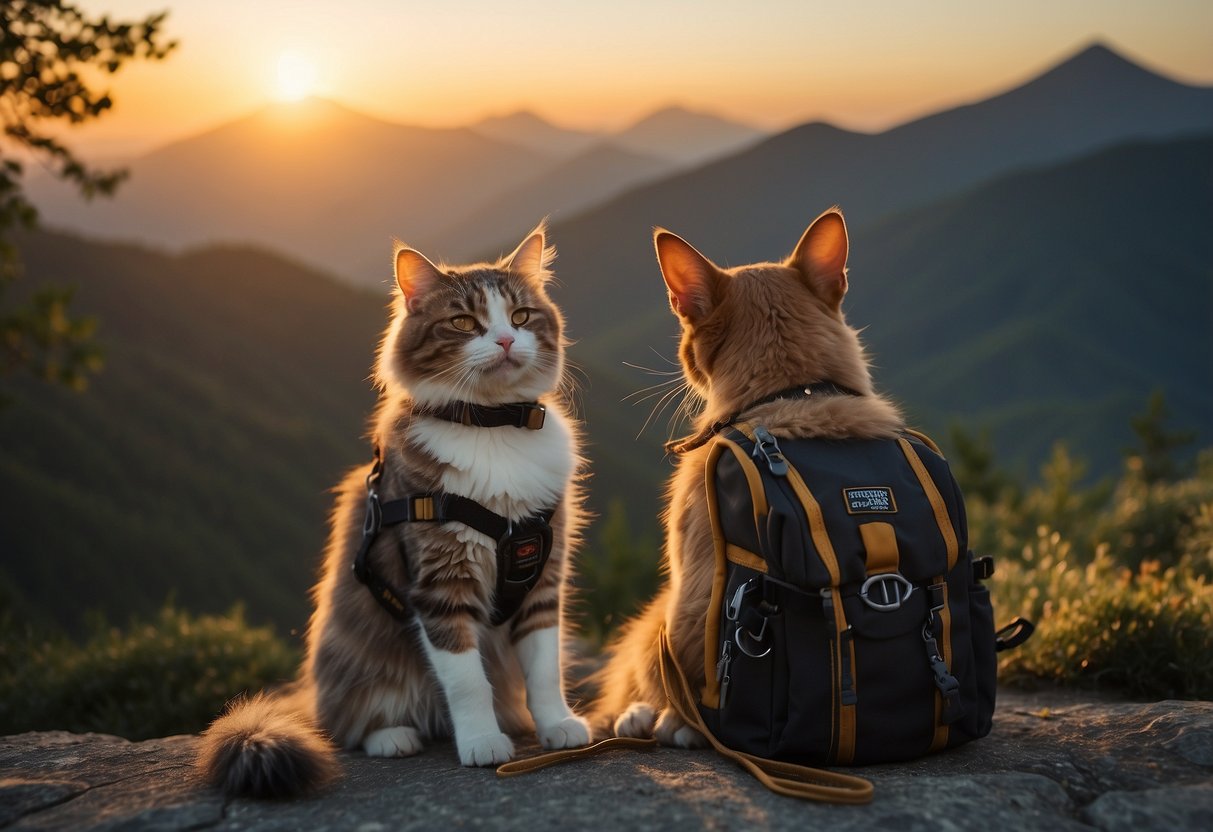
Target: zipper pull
(722, 671)
(846, 680)
(765, 444)
(827, 603)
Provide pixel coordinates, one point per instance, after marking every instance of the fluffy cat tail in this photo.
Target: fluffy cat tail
(266, 747)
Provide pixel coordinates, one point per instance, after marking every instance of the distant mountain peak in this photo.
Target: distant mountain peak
(312, 105)
(518, 118)
(529, 129)
(1097, 62)
(678, 113)
(311, 113)
(1100, 49)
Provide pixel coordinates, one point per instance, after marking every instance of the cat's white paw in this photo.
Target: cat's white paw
(637, 721)
(485, 750)
(398, 741)
(570, 732)
(688, 737)
(672, 731)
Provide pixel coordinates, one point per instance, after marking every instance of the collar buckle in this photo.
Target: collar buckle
(532, 416)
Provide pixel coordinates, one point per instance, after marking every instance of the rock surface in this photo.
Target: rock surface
(1052, 763)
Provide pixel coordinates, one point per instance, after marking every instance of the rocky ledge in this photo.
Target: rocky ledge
(1052, 763)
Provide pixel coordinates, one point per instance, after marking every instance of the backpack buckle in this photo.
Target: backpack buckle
(751, 630)
(886, 592)
(768, 446)
(751, 643)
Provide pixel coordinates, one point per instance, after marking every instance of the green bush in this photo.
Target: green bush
(1159, 521)
(1146, 632)
(1116, 576)
(168, 676)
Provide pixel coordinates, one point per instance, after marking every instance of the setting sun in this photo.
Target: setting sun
(296, 77)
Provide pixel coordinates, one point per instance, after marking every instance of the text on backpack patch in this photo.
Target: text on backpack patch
(871, 499)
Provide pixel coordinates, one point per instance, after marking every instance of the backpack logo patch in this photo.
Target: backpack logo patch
(871, 499)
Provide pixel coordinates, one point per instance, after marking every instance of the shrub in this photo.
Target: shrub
(1158, 521)
(1147, 632)
(1117, 576)
(168, 676)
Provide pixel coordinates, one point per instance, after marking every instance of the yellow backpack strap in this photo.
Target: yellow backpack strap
(782, 778)
(926, 440)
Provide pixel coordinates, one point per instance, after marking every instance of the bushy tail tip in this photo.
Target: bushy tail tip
(263, 748)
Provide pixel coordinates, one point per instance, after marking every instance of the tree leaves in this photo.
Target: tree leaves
(47, 48)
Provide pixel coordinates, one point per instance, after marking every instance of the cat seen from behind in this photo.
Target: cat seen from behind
(749, 333)
(475, 479)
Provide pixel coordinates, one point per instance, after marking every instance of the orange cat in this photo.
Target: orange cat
(748, 333)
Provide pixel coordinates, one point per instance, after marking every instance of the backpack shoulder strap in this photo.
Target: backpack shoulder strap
(924, 439)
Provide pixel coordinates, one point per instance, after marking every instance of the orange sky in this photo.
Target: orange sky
(861, 64)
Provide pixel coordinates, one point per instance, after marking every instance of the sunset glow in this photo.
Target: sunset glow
(602, 66)
(297, 77)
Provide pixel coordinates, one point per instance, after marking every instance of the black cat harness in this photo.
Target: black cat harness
(523, 546)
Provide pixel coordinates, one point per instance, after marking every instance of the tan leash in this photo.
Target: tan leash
(516, 767)
(782, 778)
(786, 779)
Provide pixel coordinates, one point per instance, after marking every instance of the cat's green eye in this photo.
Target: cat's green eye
(463, 323)
(520, 317)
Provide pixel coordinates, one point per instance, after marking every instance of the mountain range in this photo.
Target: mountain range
(333, 186)
(752, 205)
(1041, 287)
(680, 136)
(1043, 306)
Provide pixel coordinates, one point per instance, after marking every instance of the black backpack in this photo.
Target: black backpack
(848, 623)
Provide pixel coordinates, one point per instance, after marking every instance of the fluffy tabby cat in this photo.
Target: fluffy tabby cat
(747, 333)
(487, 334)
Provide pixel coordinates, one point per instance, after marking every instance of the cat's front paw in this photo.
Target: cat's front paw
(485, 750)
(636, 721)
(672, 731)
(570, 732)
(397, 741)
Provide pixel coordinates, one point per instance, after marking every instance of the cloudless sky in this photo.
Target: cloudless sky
(860, 64)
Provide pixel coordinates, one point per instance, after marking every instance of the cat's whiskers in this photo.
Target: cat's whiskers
(665, 392)
(663, 401)
(646, 393)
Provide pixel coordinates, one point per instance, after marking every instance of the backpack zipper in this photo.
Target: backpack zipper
(722, 670)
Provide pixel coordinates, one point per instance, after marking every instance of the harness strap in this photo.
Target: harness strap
(787, 779)
(440, 507)
(523, 547)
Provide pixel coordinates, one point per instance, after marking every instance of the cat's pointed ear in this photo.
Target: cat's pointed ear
(533, 255)
(690, 277)
(821, 256)
(415, 274)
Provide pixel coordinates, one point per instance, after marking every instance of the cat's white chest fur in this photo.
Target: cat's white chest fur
(513, 471)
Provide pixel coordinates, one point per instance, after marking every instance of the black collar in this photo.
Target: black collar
(800, 391)
(529, 415)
